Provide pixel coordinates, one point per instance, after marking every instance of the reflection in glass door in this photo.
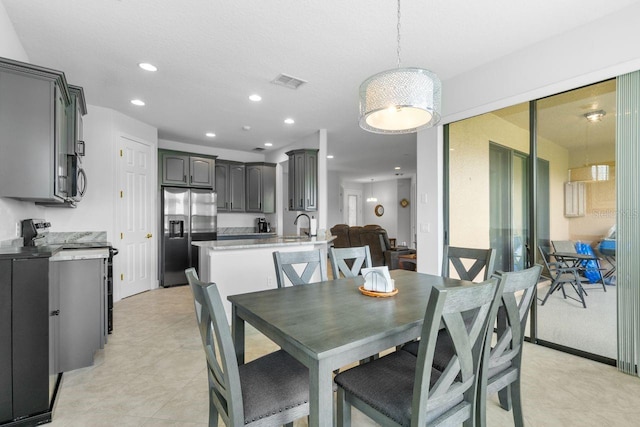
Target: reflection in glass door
(509, 207)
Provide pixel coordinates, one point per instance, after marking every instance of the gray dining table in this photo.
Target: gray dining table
(328, 325)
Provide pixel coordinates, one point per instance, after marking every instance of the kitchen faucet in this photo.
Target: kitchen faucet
(308, 219)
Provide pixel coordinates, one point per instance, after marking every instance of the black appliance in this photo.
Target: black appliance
(189, 215)
(263, 226)
(77, 182)
(33, 230)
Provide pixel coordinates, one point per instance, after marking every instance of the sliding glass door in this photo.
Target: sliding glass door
(490, 197)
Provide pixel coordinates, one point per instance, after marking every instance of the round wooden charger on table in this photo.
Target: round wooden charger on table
(377, 294)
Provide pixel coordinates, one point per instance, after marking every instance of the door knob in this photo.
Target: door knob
(149, 235)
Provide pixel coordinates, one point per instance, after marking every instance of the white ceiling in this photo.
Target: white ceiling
(212, 55)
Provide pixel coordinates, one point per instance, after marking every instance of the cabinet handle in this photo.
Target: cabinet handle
(184, 178)
(301, 202)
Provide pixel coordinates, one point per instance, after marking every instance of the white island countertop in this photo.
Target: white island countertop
(223, 245)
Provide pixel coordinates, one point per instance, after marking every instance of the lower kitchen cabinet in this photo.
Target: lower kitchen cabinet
(78, 326)
(24, 334)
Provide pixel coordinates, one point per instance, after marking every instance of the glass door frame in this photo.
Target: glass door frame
(529, 254)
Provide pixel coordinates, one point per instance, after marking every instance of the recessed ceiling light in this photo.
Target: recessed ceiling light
(330, 156)
(289, 121)
(268, 144)
(397, 168)
(246, 127)
(255, 97)
(210, 134)
(137, 102)
(147, 67)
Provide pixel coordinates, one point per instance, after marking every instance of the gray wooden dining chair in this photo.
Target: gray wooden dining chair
(502, 361)
(288, 265)
(357, 257)
(269, 391)
(402, 389)
(468, 262)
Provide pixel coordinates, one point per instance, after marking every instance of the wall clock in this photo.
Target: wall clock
(404, 203)
(379, 210)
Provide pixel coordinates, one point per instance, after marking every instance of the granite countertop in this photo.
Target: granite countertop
(79, 254)
(221, 245)
(241, 231)
(15, 252)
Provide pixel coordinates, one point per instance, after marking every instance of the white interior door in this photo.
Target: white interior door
(136, 212)
(352, 206)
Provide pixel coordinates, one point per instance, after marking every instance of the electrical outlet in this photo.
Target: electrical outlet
(269, 281)
(18, 229)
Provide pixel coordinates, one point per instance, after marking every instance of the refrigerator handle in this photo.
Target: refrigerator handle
(176, 229)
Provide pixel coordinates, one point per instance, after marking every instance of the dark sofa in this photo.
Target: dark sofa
(382, 253)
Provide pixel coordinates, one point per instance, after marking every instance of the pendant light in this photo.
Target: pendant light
(401, 100)
(590, 172)
(372, 199)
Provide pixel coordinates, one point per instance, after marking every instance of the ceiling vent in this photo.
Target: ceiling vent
(258, 149)
(288, 81)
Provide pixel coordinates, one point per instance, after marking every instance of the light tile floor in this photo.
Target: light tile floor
(151, 373)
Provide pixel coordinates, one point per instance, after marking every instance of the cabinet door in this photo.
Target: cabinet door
(254, 188)
(30, 330)
(6, 378)
(80, 313)
(292, 182)
(222, 186)
(236, 189)
(268, 189)
(202, 174)
(299, 184)
(175, 169)
(61, 145)
(311, 181)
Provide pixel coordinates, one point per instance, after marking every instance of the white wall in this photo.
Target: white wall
(404, 214)
(387, 194)
(561, 63)
(10, 46)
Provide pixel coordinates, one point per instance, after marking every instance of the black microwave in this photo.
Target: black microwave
(77, 178)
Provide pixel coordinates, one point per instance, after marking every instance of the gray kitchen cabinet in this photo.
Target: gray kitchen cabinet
(33, 141)
(24, 334)
(76, 110)
(77, 305)
(260, 187)
(230, 186)
(303, 180)
(182, 169)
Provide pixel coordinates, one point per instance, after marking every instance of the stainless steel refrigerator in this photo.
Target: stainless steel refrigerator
(188, 215)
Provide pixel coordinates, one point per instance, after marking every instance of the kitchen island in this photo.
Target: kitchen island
(246, 265)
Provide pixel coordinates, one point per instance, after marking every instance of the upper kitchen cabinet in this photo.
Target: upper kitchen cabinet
(76, 110)
(182, 169)
(230, 186)
(303, 180)
(260, 187)
(34, 145)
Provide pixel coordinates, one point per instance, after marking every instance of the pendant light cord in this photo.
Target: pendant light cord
(398, 51)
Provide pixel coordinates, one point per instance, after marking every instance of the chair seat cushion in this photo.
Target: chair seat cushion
(386, 384)
(442, 354)
(272, 384)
